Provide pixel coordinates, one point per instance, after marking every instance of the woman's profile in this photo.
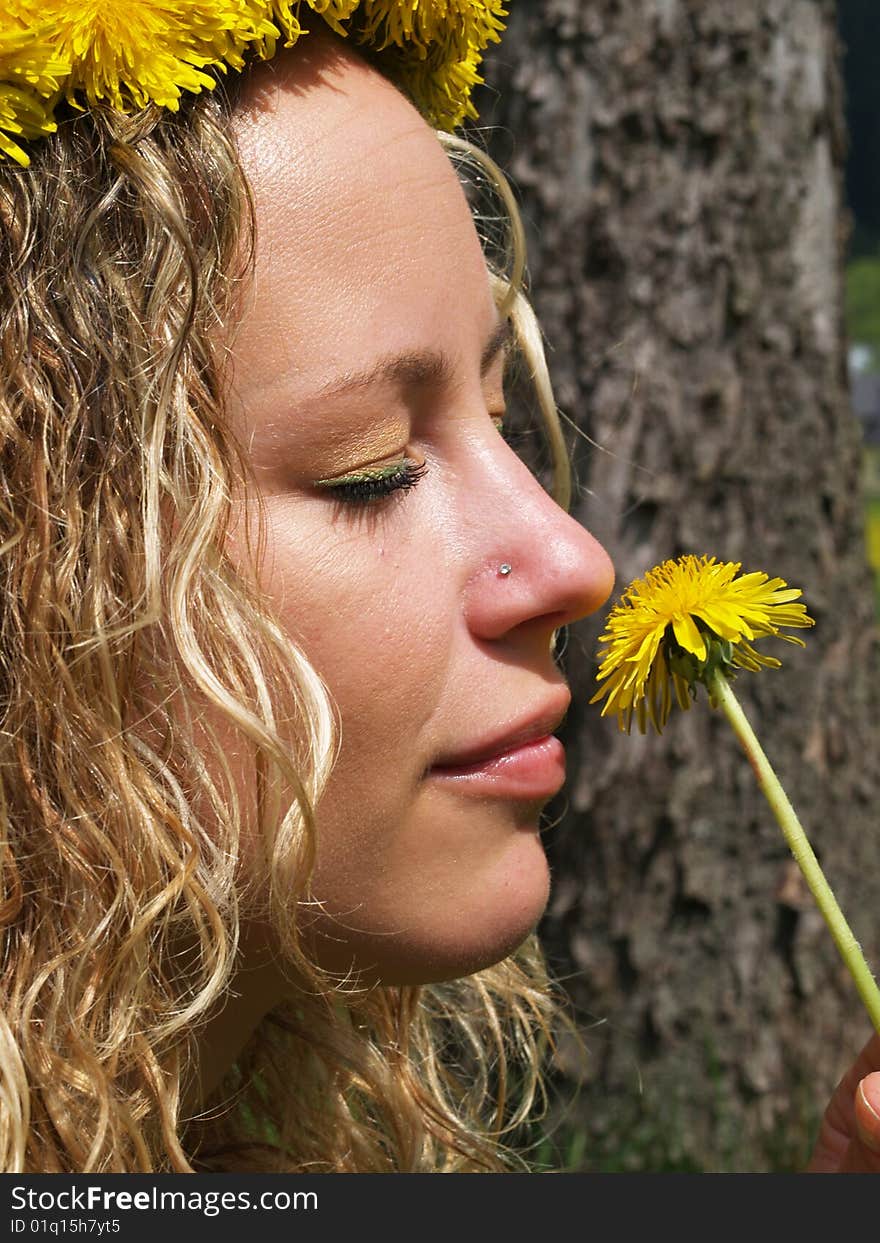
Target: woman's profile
(280, 601)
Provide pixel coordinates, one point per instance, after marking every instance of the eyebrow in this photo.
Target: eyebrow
(417, 367)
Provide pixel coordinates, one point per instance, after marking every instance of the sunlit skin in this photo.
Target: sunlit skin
(366, 248)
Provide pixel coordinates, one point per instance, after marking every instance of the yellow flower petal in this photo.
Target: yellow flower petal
(688, 636)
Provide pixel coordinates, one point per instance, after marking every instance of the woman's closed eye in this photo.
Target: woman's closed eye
(374, 483)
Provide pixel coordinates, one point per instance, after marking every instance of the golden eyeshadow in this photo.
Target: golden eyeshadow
(356, 476)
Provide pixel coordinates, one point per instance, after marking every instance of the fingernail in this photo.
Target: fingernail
(868, 1111)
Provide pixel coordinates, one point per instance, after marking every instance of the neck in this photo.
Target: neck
(257, 987)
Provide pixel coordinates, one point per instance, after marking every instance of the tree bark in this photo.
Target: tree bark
(679, 165)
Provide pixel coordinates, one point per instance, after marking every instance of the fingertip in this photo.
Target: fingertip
(868, 1111)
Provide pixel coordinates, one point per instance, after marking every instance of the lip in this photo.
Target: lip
(522, 761)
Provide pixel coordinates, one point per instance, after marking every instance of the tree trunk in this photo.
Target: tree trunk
(679, 164)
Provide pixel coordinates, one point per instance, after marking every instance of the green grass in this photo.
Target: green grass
(872, 532)
(871, 476)
(863, 302)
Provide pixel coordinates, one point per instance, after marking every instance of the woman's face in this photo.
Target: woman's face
(370, 337)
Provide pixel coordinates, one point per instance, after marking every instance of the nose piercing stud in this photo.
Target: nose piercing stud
(504, 570)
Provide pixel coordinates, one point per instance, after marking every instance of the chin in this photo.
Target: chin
(467, 917)
(474, 936)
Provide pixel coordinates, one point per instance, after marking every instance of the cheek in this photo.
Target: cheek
(374, 626)
(430, 896)
(414, 885)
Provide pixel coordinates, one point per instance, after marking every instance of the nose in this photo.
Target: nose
(558, 572)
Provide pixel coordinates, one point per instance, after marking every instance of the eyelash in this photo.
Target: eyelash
(367, 489)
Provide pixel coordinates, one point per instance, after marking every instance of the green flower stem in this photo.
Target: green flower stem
(719, 689)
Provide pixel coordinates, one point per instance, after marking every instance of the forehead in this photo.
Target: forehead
(364, 238)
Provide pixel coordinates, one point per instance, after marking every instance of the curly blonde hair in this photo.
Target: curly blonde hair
(123, 250)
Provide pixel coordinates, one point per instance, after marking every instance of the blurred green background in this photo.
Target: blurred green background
(860, 32)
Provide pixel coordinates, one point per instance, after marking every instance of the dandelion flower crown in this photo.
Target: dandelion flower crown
(129, 53)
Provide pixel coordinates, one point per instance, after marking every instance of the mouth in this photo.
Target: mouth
(522, 761)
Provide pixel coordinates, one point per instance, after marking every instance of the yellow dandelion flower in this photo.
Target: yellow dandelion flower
(455, 25)
(23, 115)
(148, 51)
(685, 619)
(693, 620)
(433, 49)
(442, 94)
(31, 74)
(28, 54)
(334, 13)
(133, 53)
